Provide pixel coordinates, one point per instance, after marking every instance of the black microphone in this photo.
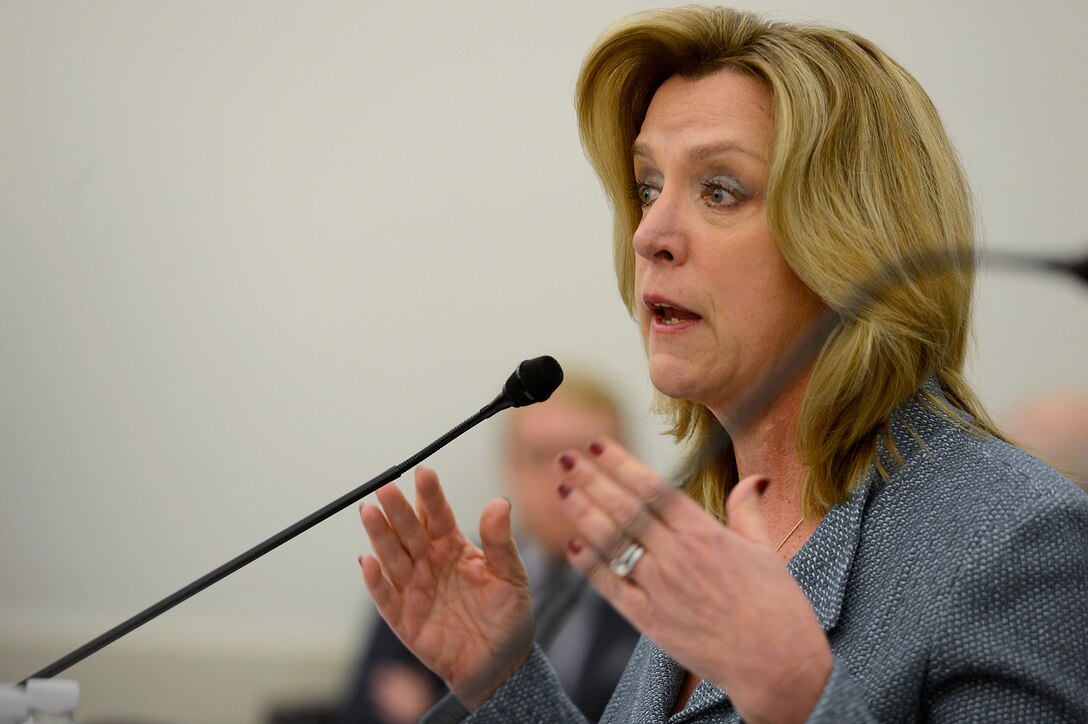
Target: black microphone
(534, 380)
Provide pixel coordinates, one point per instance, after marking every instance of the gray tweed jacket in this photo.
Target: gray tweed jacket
(956, 591)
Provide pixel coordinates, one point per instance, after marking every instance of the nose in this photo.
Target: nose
(661, 237)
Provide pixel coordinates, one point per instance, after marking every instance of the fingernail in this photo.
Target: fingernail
(761, 485)
(574, 547)
(566, 461)
(509, 502)
(564, 491)
(596, 448)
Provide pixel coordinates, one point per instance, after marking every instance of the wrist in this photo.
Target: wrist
(795, 695)
(473, 692)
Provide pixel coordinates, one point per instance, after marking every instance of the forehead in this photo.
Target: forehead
(559, 420)
(725, 108)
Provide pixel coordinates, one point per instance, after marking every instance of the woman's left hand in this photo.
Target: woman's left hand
(717, 598)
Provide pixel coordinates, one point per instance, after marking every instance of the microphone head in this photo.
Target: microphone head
(533, 381)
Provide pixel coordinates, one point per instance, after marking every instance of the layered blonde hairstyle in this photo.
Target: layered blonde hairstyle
(863, 179)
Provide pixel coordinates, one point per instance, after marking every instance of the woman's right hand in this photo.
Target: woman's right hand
(464, 611)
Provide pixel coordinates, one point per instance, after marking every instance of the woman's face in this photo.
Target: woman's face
(717, 303)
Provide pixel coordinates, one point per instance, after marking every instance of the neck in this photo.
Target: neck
(767, 445)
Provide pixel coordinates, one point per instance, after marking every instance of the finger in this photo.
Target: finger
(667, 503)
(396, 563)
(497, 541)
(744, 512)
(402, 519)
(628, 513)
(594, 526)
(381, 591)
(625, 595)
(434, 511)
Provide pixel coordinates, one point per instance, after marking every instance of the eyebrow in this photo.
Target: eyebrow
(701, 153)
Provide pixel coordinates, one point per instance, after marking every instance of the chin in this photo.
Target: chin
(672, 377)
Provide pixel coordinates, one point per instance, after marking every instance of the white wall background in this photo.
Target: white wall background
(252, 254)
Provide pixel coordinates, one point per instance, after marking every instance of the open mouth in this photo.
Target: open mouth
(668, 315)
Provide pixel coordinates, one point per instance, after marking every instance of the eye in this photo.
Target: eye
(643, 193)
(721, 193)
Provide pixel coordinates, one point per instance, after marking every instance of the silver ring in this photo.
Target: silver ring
(624, 563)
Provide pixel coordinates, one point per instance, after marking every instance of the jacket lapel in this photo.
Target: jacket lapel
(822, 566)
(648, 687)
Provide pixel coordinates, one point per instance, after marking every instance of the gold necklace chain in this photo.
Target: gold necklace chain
(792, 531)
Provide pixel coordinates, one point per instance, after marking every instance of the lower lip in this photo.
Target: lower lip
(659, 327)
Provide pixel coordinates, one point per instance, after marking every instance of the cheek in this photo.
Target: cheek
(640, 275)
(641, 313)
(643, 320)
(802, 303)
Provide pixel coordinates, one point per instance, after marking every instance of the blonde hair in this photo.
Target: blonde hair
(862, 179)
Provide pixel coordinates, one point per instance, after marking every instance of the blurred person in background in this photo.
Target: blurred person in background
(586, 640)
(1055, 427)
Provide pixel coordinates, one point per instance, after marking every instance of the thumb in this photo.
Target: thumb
(497, 541)
(744, 512)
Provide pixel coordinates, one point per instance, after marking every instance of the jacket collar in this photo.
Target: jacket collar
(822, 566)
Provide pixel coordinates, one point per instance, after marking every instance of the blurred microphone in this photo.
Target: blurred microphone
(810, 341)
(533, 381)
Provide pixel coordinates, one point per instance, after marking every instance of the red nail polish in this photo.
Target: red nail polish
(574, 547)
(564, 491)
(566, 461)
(596, 448)
(761, 485)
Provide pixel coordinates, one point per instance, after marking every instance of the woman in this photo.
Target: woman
(857, 542)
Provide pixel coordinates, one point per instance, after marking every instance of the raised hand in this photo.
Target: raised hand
(463, 610)
(717, 599)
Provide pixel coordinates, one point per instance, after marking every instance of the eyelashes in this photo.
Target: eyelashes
(719, 192)
(641, 193)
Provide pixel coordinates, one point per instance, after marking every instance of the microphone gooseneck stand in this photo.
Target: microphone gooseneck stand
(807, 345)
(533, 381)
